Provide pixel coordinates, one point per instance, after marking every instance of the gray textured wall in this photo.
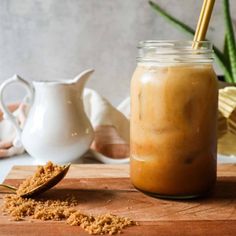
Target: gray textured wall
(50, 39)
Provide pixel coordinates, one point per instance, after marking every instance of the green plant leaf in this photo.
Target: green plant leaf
(226, 53)
(221, 62)
(174, 21)
(230, 38)
(188, 30)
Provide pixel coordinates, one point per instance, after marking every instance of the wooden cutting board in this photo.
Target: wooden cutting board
(107, 188)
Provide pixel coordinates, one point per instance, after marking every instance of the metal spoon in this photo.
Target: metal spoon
(12, 188)
(43, 187)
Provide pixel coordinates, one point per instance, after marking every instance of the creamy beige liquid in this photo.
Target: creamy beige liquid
(173, 129)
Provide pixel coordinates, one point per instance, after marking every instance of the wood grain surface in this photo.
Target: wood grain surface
(107, 188)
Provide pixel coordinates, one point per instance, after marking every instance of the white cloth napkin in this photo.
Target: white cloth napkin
(102, 115)
(101, 112)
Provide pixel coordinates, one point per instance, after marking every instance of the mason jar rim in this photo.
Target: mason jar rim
(175, 51)
(176, 43)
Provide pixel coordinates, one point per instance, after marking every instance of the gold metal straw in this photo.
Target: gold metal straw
(203, 22)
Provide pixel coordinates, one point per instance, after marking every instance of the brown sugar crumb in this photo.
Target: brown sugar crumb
(42, 175)
(59, 210)
(19, 208)
(102, 224)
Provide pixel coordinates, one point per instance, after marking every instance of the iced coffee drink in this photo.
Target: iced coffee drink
(173, 120)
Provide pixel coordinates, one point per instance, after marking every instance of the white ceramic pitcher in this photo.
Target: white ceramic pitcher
(57, 127)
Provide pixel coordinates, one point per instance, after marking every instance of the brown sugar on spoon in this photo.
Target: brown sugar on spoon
(41, 176)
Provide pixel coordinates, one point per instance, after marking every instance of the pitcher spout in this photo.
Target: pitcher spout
(81, 79)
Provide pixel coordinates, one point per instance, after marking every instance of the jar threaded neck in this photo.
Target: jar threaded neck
(163, 51)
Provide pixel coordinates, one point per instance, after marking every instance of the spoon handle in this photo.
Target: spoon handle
(8, 187)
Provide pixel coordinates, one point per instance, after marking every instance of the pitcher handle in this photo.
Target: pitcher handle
(6, 113)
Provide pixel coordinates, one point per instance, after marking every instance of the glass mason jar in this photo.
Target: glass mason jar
(174, 100)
